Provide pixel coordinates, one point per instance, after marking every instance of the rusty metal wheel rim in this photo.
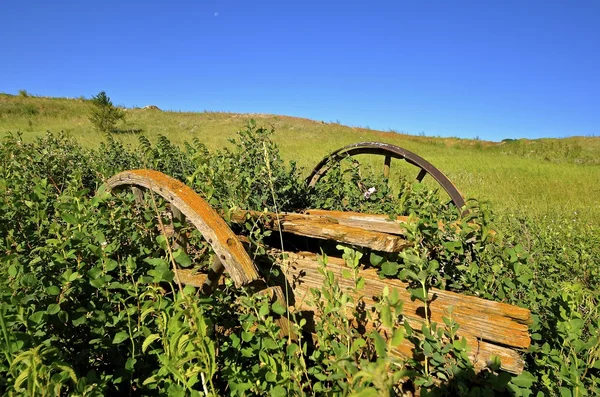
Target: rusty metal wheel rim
(389, 151)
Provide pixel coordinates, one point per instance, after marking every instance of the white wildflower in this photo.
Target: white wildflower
(369, 192)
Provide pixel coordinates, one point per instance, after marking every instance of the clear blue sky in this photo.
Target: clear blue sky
(493, 69)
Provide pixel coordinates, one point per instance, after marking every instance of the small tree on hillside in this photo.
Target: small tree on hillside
(104, 114)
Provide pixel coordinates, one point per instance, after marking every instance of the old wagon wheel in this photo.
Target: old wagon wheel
(388, 151)
(231, 254)
(186, 204)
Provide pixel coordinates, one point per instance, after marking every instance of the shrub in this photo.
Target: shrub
(104, 114)
(89, 307)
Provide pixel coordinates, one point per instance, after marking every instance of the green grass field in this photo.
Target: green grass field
(552, 177)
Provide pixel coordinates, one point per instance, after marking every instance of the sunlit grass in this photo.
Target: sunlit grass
(547, 176)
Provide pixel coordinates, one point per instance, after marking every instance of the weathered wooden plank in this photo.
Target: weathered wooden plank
(378, 223)
(323, 227)
(491, 328)
(191, 277)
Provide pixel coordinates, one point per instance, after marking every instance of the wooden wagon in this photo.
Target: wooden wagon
(492, 329)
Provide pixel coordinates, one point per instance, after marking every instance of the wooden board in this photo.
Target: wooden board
(324, 227)
(491, 328)
(377, 223)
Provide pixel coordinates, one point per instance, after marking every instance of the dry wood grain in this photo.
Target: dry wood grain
(323, 227)
(491, 328)
(378, 223)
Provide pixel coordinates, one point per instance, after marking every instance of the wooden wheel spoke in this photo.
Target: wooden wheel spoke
(214, 274)
(386, 166)
(179, 233)
(138, 194)
(421, 175)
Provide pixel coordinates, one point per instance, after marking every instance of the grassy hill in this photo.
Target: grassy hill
(545, 177)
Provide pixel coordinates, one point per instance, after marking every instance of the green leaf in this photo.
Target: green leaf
(189, 290)
(565, 392)
(111, 265)
(417, 293)
(278, 391)
(79, 320)
(525, 380)
(53, 308)
(390, 268)
(461, 345)
(263, 311)
(380, 344)
(367, 392)
(427, 349)
(397, 337)
(150, 380)
(149, 339)
(182, 258)
(69, 218)
(375, 259)
(278, 308)
(53, 290)
(155, 261)
(292, 349)
(495, 362)
(357, 344)
(95, 272)
(37, 317)
(63, 316)
(360, 283)
(74, 277)
(385, 315)
(120, 337)
(246, 336)
(98, 283)
(99, 237)
(130, 364)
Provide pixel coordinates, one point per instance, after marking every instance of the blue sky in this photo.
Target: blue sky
(492, 69)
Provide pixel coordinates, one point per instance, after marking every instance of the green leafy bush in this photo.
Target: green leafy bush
(90, 307)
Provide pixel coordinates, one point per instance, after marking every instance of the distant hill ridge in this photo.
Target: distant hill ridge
(33, 115)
